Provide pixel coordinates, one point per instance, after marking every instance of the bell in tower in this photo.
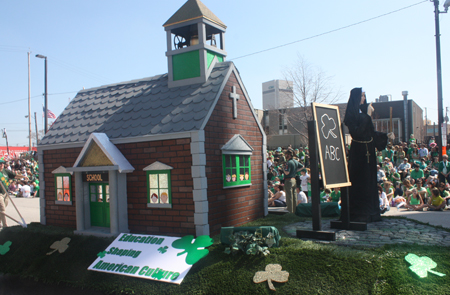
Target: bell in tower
(195, 43)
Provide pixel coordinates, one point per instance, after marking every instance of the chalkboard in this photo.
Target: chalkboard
(330, 142)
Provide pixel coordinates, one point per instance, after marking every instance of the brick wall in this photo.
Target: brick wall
(176, 221)
(232, 206)
(59, 215)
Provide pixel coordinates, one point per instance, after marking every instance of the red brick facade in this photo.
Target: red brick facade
(176, 221)
(232, 206)
(227, 207)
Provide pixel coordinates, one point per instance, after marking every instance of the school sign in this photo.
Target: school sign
(162, 258)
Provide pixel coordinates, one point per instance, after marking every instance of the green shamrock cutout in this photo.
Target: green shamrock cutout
(101, 254)
(422, 265)
(163, 250)
(5, 248)
(193, 253)
(273, 273)
(60, 246)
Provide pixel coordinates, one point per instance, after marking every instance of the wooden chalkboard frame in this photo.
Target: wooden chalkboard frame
(342, 146)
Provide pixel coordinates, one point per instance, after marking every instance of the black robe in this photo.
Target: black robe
(364, 203)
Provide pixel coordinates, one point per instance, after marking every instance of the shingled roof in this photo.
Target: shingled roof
(138, 108)
(193, 9)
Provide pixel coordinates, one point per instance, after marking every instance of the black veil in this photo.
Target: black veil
(354, 106)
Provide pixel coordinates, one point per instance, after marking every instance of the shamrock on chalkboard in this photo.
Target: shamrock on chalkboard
(60, 246)
(194, 254)
(274, 273)
(5, 248)
(422, 265)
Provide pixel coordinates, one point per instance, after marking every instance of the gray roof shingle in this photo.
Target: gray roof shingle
(137, 108)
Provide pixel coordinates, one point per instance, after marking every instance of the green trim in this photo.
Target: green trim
(236, 165)
(186, 65)
(63, 188)
(100, 211)
(210, 56)
(158, 188)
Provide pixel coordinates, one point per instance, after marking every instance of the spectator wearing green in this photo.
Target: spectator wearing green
(444, 170)
(379, 158)
(394, 176)
(336, 195)
(443, 192)
(388, 153)
(301, 154)
(416, 173)
(421, 191)
(325, 195)
(290, 185)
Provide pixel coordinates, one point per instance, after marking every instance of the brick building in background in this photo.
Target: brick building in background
(175, 154)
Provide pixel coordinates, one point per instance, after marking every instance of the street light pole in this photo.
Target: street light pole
(29, 105)
(45, 94)
(439, 76)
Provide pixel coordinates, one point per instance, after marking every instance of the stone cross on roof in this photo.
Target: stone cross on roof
(235, 97)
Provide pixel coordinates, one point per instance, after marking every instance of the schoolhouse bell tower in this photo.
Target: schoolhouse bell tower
(195, 43)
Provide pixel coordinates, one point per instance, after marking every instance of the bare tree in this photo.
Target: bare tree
(310, 84)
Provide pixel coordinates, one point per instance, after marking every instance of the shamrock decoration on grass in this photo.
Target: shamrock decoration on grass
(422, 265)
(60, 246)
(192, 249)
(273, 273)
(5, 248)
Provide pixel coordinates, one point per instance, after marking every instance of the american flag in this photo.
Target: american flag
(50, 114)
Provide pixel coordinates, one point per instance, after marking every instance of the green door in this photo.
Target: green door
(99, 199)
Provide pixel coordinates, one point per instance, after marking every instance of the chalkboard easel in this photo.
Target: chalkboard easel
(317, 232)
(327, 147)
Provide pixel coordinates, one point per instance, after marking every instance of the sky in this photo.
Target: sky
(384, 46)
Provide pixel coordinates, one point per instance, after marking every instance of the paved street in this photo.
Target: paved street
(28, 208)
(390, 231)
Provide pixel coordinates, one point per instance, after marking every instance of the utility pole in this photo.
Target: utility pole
(46, 93)
(37, 134)
(426, 124)
(29, 104)
(440, 140)
(6, 137)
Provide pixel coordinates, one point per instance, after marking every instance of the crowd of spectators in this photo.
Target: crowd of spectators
(22, 173)
(409, 176)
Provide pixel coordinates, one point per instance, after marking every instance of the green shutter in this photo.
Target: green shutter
(186, 65)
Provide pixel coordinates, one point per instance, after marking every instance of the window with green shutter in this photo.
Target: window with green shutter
(236, 170)
(159, 188)
(236, 162)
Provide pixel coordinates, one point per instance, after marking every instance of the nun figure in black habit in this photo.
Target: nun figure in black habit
(364, 203)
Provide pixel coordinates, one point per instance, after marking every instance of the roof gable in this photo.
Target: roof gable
(237, 145)
(157, 166)
(193, 9)
(99, 151)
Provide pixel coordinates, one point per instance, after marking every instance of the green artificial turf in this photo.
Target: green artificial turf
(314, 268)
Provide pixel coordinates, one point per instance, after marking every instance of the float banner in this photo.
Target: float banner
(151, 257)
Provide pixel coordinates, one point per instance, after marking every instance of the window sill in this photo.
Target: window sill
(240, 185)
(63, 202)
(167, 206)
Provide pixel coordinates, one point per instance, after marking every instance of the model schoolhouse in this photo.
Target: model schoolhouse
(174, 154)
